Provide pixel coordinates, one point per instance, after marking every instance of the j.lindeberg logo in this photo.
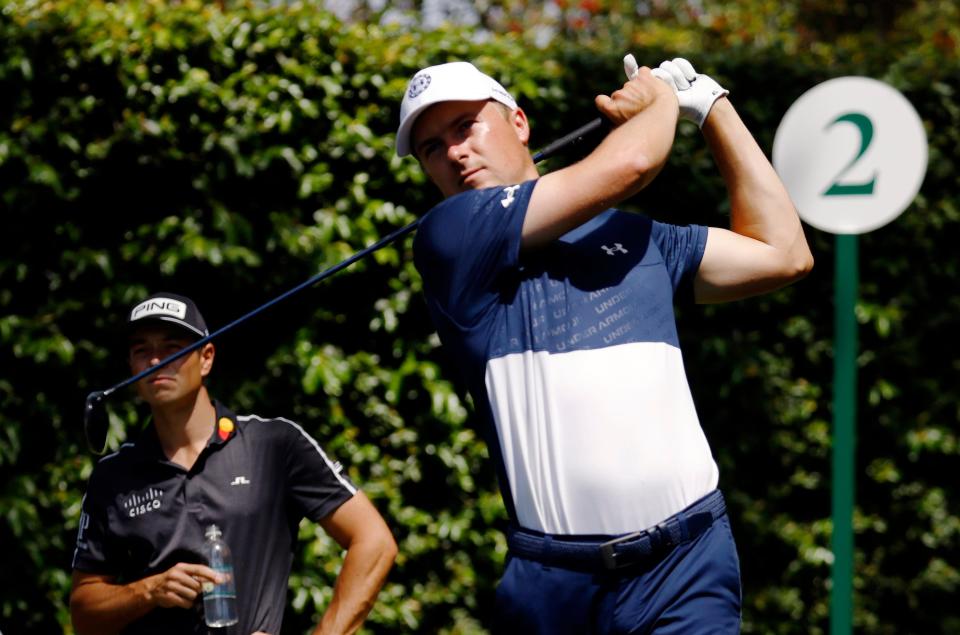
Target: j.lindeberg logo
(143, 502)
(240, 480)
(417, 85)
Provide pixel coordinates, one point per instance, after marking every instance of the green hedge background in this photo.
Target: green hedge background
(231, 153)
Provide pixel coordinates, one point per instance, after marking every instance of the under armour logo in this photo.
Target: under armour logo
(509, 199)
(240, 480)
(611, 251)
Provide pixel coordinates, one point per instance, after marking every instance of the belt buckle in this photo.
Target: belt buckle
(609, 554)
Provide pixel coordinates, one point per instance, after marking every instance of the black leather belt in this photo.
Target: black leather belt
(608, 553)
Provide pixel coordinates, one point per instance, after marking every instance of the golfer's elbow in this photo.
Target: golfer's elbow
(386, 548)
(793, 259)
(797, 263)
(377, 546)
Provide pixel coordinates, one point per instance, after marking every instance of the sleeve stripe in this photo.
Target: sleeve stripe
(346, 484)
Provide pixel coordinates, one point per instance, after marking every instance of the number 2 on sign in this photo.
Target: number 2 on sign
(865, 126)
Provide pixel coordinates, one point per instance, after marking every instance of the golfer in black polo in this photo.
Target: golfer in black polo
(138, 566)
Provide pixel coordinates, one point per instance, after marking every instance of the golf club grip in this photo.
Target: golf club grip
(574, 138)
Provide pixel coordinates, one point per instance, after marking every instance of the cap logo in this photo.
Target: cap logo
(159, 306)
(417, 85)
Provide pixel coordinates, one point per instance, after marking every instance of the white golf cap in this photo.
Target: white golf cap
(454, 81)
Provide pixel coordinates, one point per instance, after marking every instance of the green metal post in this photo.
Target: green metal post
(844, 432)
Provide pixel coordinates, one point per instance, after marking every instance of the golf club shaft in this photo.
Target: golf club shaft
(574, 138)
(386, 240)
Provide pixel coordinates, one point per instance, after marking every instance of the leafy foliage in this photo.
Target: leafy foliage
(232, 154)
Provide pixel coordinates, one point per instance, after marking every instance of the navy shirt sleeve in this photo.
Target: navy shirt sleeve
(465, 243)
(316, 484)
(682, 249)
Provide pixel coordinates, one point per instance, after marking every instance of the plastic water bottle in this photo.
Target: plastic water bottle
(219, 600)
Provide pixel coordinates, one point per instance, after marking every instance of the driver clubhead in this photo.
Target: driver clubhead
(96, 422)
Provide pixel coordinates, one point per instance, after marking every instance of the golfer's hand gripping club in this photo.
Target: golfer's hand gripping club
(695, 91)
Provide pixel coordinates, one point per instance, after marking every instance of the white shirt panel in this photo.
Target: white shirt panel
(627, 458)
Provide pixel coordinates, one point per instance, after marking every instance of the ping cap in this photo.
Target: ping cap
(169, 308)
(453, 81)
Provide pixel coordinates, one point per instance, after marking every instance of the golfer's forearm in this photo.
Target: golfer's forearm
(623, 164)
(364, 571)
(99, 608)
(760, 205)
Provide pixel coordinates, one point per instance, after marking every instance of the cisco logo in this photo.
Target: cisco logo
(143, 502)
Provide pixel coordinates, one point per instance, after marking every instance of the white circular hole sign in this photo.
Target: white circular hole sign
(852, 152)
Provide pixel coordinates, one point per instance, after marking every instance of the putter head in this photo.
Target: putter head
(96, 422)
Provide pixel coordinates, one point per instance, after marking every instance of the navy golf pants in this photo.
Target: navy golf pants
(694, 588)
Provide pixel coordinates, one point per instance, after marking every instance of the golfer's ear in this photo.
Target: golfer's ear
(207, 353)
(518, 119)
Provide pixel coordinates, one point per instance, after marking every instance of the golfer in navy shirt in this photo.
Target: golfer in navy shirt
(560, 309)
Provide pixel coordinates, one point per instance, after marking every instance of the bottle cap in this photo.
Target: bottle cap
(213, 532)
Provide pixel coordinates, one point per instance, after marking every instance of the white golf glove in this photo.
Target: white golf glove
(695, 92)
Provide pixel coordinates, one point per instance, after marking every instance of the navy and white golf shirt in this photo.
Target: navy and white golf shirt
(256, 479)
(573, 359)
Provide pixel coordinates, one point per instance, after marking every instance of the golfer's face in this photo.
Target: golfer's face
(149, 345)
(469, 145)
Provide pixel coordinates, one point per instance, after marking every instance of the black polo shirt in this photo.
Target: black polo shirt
(256, 479)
